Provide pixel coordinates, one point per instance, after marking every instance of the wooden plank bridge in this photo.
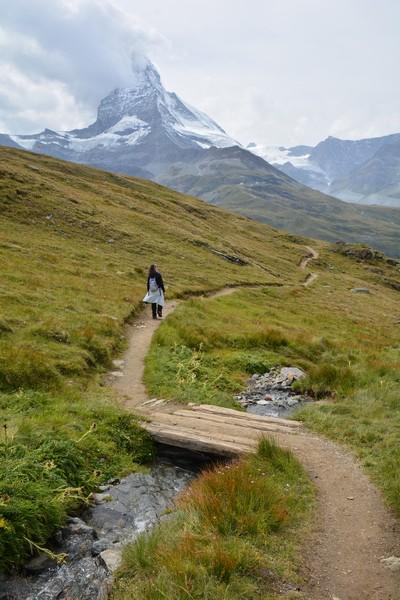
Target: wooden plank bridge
(210, 429)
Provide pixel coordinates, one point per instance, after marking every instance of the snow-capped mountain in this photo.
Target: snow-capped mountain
(135, 126)
(365, 171)
(146, 131)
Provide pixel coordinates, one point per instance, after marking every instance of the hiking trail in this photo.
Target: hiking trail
(352, 529)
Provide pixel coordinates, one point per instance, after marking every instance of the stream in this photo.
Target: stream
(272, 394)
(93, 542)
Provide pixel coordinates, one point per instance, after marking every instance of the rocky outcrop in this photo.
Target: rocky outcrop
(272, 393)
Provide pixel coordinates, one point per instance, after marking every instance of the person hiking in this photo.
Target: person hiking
(155, 292)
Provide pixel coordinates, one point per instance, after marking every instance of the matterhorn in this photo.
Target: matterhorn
(137, 131)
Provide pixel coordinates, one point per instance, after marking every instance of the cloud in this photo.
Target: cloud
(59, 59)
(267, 71)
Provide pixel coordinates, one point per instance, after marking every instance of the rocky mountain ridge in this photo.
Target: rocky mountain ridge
(365, 171)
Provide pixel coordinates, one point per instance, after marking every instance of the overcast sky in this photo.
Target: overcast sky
(271, 71)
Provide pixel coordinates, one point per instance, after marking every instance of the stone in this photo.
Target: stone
(77, 526)
(117, 373)
(103, 488)
(100, 545)
(100, 498)
(292, 373)
(291, 402)
(263, 402)
(114, 481)
(118, 363)
(361, 290)
(392, 563)
(111, 558)
(39, 563)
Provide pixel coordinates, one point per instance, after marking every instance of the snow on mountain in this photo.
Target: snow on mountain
(279, 155)
(295, 162)
(128, 115)
(364, 171)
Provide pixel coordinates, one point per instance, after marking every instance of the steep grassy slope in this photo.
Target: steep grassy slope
(239, 181)
(75, 247)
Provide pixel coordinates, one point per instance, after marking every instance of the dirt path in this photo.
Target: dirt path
(352, 529)
(127, 378)
(311, 255)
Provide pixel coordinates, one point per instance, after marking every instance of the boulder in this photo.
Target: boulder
(112, 558)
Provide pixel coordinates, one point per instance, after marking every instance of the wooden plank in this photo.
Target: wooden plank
(210, 429)
(182, 439)
(243, 423)
(244, 415)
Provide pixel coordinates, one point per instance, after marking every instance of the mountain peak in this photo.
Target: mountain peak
(143, 122)
(145, 74)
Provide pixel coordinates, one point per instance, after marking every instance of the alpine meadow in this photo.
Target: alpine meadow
(76, 244)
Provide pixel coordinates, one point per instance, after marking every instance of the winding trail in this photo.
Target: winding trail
(352, 529)
(311, 255)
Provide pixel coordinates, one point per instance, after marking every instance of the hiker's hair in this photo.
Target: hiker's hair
(152, 270)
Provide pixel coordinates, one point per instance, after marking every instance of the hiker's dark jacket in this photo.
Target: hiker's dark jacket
(159, 281)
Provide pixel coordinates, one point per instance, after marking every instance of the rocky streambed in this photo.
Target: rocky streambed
(93, 542)
(271, 394)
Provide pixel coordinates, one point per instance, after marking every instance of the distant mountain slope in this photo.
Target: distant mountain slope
(149, 132)
(343, 167)
(376, 181)
(240, 181)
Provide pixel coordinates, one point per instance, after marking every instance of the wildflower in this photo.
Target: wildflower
(49, 465)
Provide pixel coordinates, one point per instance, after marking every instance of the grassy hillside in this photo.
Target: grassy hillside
(348, 343)
(239, 181)
(75, 247)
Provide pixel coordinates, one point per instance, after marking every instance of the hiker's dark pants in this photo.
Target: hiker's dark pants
(156, 309)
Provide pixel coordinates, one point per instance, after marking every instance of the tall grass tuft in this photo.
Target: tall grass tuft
(232, 536)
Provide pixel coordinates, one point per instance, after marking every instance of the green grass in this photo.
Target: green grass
(75, 247)
(348, 344)
(56, 447)
(235, 535)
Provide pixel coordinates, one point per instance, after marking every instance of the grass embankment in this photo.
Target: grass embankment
(348, 343)
(75, 247)
(235, 535)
